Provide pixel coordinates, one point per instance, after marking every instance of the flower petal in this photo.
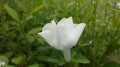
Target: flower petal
(47, 35)
(76, 33)
(49, 26)
(65, 22)
(64, 28)
(62, 35)
(51, 39)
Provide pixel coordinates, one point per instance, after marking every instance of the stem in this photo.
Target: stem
(66, 53)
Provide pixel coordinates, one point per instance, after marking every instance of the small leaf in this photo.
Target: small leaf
(34, 31)
(57, 60)
(30, 38)
(81, 59)
(40, 39)
(36, 9)
(8, 54)
(18, 60)
(118, 41)
(11, 12)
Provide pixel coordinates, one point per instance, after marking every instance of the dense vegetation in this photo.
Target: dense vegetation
(21, 20)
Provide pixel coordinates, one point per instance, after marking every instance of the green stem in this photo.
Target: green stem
(66, 53)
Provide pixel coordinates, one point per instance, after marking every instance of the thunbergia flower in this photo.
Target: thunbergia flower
(63, 35)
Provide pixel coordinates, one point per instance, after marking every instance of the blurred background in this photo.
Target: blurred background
(21, 20)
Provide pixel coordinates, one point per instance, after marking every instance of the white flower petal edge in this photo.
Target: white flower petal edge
(66, 21)
(49, 26)
(63, 36)
(76, 33)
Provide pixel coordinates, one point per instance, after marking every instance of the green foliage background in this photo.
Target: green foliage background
(21, 20)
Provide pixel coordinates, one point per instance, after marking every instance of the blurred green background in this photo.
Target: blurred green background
(21, 20)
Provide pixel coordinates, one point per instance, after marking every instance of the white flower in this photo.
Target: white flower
(63, 35)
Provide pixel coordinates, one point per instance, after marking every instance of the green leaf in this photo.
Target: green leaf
(56, 60)
(34, 31)
(18, 60)
(34, 65)
(118, 41)
(8, 54)
(4, 59)
(11, 12)
(30, 38)
(40, 39)
(36, 9)
(81, 59)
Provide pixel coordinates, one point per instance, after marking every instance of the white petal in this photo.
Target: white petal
(56, 44)
(63, 37)
(67, 55)
(47, 35)
(49, 26)
(51, 39)
(64, 28)
(63, 33)
(76, 33)
(65, 21)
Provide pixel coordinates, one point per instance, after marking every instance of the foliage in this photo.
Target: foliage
(21, 20)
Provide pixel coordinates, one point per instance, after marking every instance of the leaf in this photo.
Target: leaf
(81, 59)
(30, 38)
(34, 31)
(4, 59)
(18, 60)
(118, 41)
(36, 9)
(11, 12)
(57, 60)
(34, 65)
(8, 54)
(40, 39)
